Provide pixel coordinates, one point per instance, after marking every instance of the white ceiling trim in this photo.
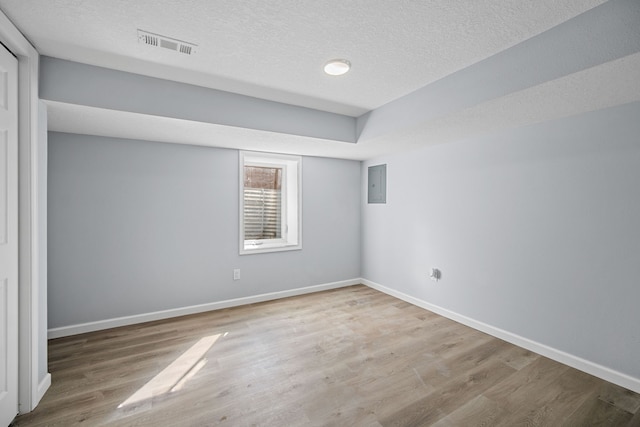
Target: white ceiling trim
(81, 119)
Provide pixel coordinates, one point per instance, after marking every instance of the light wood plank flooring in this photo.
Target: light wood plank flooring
(346, 357)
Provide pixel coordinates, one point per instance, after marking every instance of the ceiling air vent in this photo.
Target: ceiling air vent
(165, 42)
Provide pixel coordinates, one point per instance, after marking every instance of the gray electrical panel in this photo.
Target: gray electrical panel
(377, 184)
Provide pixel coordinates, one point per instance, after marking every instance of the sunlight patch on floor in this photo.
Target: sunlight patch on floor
(173, 377)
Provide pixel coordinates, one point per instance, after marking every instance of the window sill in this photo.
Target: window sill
(268, 247)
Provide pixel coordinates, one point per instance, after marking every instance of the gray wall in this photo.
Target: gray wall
(536, 231)
(137, 227)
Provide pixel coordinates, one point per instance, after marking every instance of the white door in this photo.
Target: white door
(8, 236)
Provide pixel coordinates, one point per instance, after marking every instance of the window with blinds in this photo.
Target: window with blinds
(269, 202)
(262, 203)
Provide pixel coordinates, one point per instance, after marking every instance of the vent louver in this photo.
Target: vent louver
(165, 42)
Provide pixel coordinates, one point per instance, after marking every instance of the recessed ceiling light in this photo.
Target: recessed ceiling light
(337, 67)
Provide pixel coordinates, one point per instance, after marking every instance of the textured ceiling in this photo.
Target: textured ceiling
(276, 49)
(424, 72)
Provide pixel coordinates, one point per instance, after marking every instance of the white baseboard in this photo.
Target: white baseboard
(587, 366)
(165, 314)
(38, 394)
(42, 388)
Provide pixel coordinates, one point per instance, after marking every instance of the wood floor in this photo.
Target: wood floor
(346, 357)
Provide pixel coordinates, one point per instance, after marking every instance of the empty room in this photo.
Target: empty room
(329, 213)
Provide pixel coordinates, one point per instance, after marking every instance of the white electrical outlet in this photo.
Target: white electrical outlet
(236, 274)
(435, 274)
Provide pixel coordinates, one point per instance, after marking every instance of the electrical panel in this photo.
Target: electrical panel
(377, 184)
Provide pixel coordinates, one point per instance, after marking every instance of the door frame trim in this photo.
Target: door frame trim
(30, 387)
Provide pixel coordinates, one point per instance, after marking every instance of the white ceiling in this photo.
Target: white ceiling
(275, 50)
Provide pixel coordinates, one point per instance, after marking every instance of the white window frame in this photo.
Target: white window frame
(291, 220)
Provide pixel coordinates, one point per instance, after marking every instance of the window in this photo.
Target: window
(269, 202)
